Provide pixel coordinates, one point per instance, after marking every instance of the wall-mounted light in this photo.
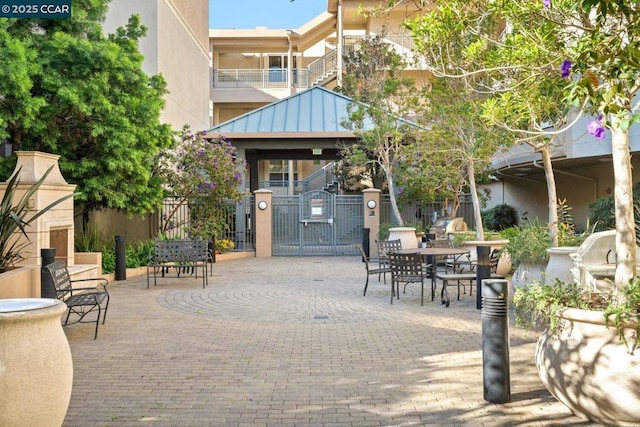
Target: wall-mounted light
(262, 205)
(371, 204)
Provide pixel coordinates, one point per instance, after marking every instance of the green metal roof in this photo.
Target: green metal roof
(313, 110)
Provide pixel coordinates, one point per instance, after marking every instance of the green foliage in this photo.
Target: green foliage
(83, 95)
(530, 243)
(109, 257)
(500, 217)
(383, 231)
(602, 211)
(626, 311)
(205, 176)
(537, 305)
(16, 216)
(89, 240)
(139, 253)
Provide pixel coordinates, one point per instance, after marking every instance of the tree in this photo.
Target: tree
(85, 97)
(604, 42)
(509, 51)
(459, 145)
(596, 45)
(203, 175)
(383, 98)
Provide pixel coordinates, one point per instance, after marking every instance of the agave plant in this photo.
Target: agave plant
(14, 217)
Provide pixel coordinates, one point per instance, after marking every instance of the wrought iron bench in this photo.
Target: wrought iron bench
(181, 255)
(79, 300)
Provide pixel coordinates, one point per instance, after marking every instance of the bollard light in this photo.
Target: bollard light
(121, 263)
(495, 341)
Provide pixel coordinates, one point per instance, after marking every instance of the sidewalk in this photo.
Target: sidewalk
(292, 342)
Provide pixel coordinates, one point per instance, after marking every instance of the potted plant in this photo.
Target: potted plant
(527, 249)
(587, 354)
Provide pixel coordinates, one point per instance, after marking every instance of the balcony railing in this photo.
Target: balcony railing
(316, 73)
(274, 78)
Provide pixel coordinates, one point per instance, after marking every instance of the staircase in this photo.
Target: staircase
(324, 69)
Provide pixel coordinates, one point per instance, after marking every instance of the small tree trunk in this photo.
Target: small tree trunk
(623, 196)
(551, 194)
(475, 200)
(392, 198)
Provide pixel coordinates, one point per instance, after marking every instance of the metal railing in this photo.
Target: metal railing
(274, 78)
(323, 67)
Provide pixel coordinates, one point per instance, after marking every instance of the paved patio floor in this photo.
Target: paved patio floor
(293, 342)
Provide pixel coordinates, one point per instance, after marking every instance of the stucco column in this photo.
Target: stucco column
(339, 31)
(263, 214)
(371, 200)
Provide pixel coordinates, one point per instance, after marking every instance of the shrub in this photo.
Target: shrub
(89, 240)
(602, 211)
(529, 243)
(500, 217)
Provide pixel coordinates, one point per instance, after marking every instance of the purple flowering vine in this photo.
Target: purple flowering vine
(565, 68)
(546, 3)
(595, 128)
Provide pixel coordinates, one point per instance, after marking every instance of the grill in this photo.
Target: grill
(443, 226)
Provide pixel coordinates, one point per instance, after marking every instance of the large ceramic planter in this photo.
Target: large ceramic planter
(407, 236)
(526, 272)
(560, 264)
(36, 370)
(589, 369)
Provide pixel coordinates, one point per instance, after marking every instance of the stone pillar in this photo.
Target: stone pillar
(264, 219)
(371, 200)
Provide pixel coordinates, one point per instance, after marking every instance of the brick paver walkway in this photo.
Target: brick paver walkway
(292, 342)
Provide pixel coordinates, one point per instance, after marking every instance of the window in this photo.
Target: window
(279, 170)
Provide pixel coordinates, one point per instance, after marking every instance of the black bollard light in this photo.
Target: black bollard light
(366, 241)
(121, 261)
(495, 341)
(483, 271)
(47, 287)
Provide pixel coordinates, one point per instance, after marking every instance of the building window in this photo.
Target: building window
(279, 170)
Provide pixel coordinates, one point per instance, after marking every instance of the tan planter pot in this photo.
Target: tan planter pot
(36, 370)
(407, 236)
(560, 264)
(589, 369)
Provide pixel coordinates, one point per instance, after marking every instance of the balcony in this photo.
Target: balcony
(274, 78)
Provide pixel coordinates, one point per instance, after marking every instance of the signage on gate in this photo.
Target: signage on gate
(317, 208)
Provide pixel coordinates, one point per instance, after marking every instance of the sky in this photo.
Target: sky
(274, 14)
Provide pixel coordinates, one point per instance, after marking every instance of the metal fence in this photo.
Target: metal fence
(422, 213)
(175, 219)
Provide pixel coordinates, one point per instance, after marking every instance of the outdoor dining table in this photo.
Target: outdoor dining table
(436, 253)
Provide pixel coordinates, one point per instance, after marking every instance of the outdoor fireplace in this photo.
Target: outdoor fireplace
(55, 228)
